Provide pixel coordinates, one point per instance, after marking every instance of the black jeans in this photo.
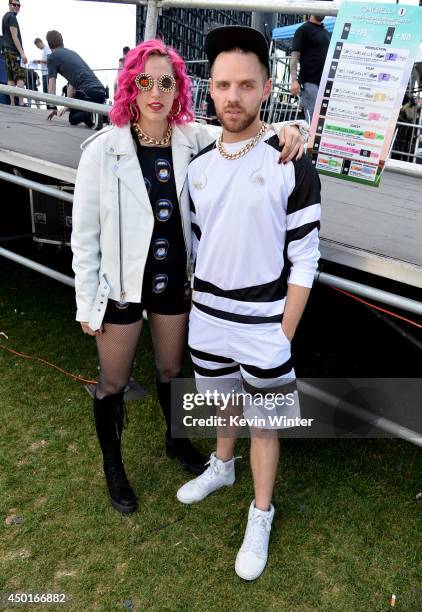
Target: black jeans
(89, 95)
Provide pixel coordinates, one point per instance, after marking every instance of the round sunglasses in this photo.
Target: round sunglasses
(145, 82)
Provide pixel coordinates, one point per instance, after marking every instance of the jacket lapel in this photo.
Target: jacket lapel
(129, 172)
(126, 165)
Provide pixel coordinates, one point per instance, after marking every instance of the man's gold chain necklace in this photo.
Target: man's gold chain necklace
(246, 148)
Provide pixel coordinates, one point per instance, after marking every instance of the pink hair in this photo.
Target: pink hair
(125, 108)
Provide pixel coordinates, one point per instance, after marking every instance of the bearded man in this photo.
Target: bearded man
(255, 226)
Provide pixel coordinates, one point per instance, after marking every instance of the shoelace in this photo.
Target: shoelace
(257, 528)
(211, 471)
(117, 475)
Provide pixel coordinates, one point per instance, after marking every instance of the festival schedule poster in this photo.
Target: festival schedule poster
(369, 61)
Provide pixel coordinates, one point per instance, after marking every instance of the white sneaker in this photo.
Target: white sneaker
(218, 474)
(252, 556)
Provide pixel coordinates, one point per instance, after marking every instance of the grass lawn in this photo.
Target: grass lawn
(347, 530)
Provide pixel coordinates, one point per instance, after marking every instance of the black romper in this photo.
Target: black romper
(165, 288)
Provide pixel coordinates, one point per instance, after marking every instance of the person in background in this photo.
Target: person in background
(82, 82)
(211, 116)
(13, 49)
(406, 139)
(45, 52)
(310, 46)
(121, 64)
(131, 243)
(122, 59)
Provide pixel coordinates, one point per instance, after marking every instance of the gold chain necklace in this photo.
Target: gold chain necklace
(152, 141)
(246, 148)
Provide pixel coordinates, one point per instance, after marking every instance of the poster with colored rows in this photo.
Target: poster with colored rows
(368, 66)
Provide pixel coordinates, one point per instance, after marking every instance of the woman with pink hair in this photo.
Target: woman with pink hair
(131, 242)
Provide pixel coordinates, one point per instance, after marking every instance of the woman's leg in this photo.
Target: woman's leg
(169, 334)
(116, 349)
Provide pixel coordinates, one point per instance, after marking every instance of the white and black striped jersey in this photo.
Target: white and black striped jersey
(255, 229)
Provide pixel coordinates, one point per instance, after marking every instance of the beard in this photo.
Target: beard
(240, 123)
(320, 18)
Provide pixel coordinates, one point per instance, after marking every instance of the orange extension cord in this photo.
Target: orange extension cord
(94, 382)
(393, 314)
(41, 360)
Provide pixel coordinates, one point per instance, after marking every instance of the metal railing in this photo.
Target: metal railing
(92, 107)
(291, 7)
(37, 267)
(45, 189)
(407, 144)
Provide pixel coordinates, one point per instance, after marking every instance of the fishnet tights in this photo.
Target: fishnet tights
(117, 347)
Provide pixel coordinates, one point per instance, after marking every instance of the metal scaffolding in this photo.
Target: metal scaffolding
(291, 7)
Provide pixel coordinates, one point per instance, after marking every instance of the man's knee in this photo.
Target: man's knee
(258, 433)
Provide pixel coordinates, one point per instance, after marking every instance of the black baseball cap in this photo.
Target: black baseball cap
(226, 38)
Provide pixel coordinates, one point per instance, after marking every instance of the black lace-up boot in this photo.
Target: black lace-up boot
(109, 414)
(182, 448)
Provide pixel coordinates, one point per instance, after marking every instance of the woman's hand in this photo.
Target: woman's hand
(87, 330)
(291, 143)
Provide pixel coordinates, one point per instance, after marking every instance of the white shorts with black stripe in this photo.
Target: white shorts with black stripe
(253, 360)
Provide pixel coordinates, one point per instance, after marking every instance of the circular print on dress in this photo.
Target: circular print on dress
(160, 248)
(147, 184)
(162, 170)
(163, 210)
(159, 283)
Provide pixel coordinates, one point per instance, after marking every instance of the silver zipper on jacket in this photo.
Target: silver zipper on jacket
(122, 304)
